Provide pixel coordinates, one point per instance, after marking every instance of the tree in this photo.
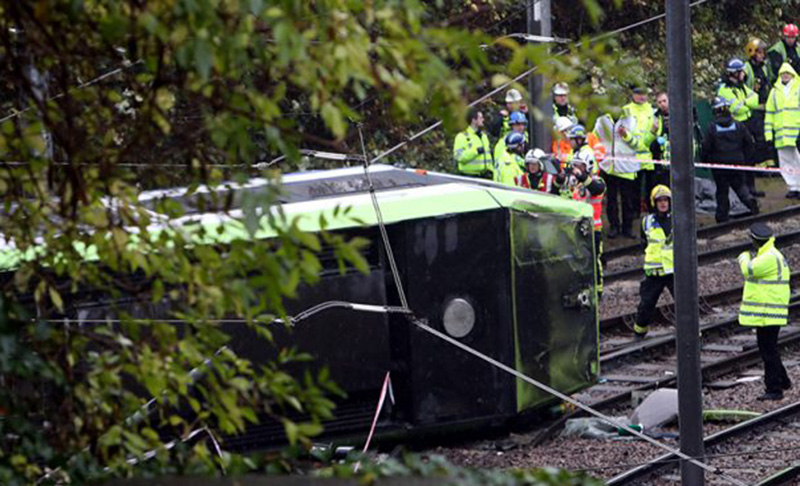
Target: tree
(111, 97)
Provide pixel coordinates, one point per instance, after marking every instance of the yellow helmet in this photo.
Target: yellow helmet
(660, 191)
(754, 45)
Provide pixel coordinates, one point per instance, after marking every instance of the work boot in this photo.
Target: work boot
(771, 395)
(639, 336)
(613, 233)
(759, 194)
(787, 385)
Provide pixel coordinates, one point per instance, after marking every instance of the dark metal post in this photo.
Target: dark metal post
(690, 402)
(539, 23)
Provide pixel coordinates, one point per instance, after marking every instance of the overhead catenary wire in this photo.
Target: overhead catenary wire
(520, 77)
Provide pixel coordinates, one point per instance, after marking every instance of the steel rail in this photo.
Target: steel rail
(670, 460)
(782, 477)
(705, 257)
(711, 231)
(710, 370)
(620, 321)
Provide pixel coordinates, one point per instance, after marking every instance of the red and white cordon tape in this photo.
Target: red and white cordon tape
(706, 165)
(385, 390)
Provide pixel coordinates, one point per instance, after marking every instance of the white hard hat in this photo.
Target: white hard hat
(561, 89)
(513, 96)
(534, 155)
(563, 123)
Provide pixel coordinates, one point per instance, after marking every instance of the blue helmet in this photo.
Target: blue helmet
(734, 65)
(514, 140)
(720, 103)
(517, 117)
(577, 131)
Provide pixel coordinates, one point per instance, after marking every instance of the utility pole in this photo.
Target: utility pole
(690, 400)
(539, 23)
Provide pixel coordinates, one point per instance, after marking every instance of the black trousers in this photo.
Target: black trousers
(628, 192)
(775, 377)
(649, 291)
(731, 179)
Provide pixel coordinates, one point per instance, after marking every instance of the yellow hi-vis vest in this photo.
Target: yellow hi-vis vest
(658, 258)
(465, 151)
(643, 135)
(783, 112)
(766, 287)
(507, 169)
(741, 98)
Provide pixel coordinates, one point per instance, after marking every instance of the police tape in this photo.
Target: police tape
(696, 165)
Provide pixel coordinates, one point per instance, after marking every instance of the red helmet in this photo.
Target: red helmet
(790, 30)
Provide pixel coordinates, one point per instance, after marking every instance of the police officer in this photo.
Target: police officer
(657, 233)
(472, 150)
(508, 166)
(519, 124)
(727, 142)
(765, 304)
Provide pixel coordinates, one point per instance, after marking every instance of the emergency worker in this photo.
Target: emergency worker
(507, 168)
(500, 125)
(638, 139)
(758, 77)
(583, 184)
(561, 105)
(782, 125)
(765, 304)
(658, 267)
(659, 147)
(742, 101)
(519, 124)
(562, 148)
(785, 50)
(726, 142)
(471, 149)
(536, 177)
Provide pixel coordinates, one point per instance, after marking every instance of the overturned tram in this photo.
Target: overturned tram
(508, 272)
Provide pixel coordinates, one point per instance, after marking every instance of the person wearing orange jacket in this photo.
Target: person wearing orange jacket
(562, 148)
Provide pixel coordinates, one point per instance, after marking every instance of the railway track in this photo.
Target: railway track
(712, 231)
(722, 449)
(703, 258)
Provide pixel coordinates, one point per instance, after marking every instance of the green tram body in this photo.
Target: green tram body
(521, 262)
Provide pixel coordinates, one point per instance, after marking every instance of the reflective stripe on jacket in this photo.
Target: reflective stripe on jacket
(642, 136)
(766, 287)
(465, 152)
(741, 98)
(658, 257)
(507, 169)
(782, 120)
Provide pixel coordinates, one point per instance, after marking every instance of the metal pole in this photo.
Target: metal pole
(539, 23)
(690, 400)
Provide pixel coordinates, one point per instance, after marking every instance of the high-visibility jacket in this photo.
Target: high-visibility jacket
(766, 287)
(562, 150)
(543, 183)
(599, 150)
(582, 193)
(465, 151)
(658, 256)
(642, 135)
(777, 55)
(565, 111)
(758, 79)
(507, 169)
(782, 120)
(500, 147)
(741, 98)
